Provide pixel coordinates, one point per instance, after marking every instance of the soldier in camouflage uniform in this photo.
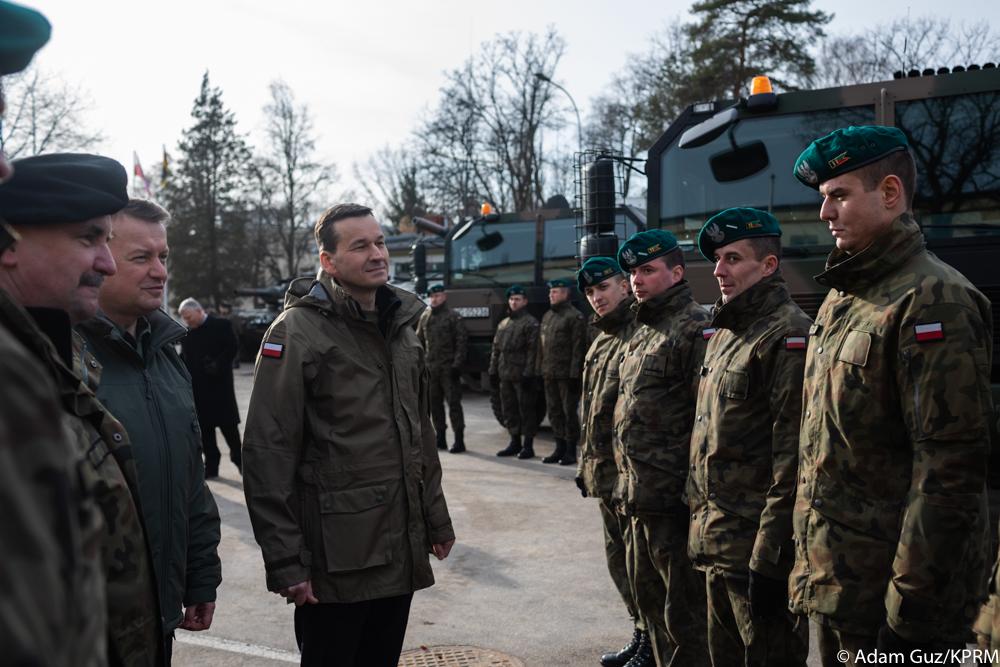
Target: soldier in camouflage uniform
(560, 359)
(652, 433)
(59, 205)
(513, 365)
(744, 447)
(987, 627)
(890, 514)
(443, 336)
(607, 291)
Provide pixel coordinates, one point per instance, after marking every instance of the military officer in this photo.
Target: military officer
(513, 366)
(652, 433)
(607, 290)
(744, 447)
(890, 515)
(442, 333)
(561, 348)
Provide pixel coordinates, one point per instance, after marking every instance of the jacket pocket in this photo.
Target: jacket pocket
(735, 384)
(356, 528)
(855, 348)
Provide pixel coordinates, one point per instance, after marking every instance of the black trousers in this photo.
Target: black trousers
(231, 432)
(355, 634)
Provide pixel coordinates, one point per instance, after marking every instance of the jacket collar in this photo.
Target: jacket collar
(756, 302)
(396, 307)
(617, 319)
(664, 305)
(884, 256)
(163, 329)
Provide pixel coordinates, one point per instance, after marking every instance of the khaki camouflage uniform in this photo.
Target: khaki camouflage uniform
(890, 513)
(51, 607)
(513, 358)
(652, 435)
(443, 335)
(987, 625)
(744, 455)
(597, 466)
(560, 360)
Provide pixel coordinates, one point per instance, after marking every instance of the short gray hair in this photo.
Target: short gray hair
(189, 302)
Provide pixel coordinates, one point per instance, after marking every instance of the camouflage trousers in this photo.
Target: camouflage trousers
(669, 593)
(736, 639)
(518, 400)
(616, 527)
(446, 386)
(835, 645)
(562, 400)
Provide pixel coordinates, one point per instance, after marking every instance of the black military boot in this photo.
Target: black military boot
(622, 656)
(513, 447)
(527, 452)
(559, 452)
(459, 445)
(643, 654)
(442, 440)
(569, 458)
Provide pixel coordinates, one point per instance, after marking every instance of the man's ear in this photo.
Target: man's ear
(327, 264)
(891, 189)
(770, 265)
(8, 258)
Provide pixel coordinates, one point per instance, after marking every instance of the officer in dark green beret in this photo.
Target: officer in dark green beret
(652, 433)
(60, 205)
(443, 335)
(744, 447)
(514, 369)
(890, 515)
(562, 346)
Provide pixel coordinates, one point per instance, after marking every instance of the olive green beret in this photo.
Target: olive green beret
(596, 270)
(22, 32)
(515, 289)
(642, 247)
(845, 150)
(734, 224)
(560, 282)
(434, 289)
(62, 187)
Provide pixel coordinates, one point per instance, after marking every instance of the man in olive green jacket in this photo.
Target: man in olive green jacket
(341, 471)
(744, 447)
(890, 513)
(143, 381)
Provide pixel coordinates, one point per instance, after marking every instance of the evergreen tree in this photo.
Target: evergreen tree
(206, 195)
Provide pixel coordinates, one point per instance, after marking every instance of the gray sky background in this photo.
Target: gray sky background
(366, 69)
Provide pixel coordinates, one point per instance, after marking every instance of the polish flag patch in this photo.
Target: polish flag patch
(928, 332)
(795, 342)
(273, 350)
(707, 333)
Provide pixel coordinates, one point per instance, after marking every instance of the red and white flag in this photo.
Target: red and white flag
(273, 350)
(928, 332)
(795, 342)
(139, 176)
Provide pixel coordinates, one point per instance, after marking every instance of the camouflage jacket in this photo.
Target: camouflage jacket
(50, 536)
(890, 513)
(597, 465)
(744, 447)
(562, 345)
(515, 347)
(442, 333)
(655, 408)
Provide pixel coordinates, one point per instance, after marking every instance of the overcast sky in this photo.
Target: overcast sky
(367, 69)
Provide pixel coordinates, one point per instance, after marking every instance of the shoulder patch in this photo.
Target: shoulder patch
(928, 331)
(708, 333)
(272, 350)
(795, 342)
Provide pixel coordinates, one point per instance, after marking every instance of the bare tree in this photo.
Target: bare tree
(44, 114)
(393, 178)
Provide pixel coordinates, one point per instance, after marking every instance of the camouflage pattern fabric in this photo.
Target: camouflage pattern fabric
(444, 337)
(616, 529)
(446, 387)
(562, 344)
(562, 399)
(514, 354)
(890, 513)
(744, 446)
(518, 398)
(987, 625)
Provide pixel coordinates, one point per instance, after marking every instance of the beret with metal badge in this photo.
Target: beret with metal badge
(559, 282)
(845, 150)
(734, 224)
(515, 289)
(596, 270)
(434, 289)
(642, 247)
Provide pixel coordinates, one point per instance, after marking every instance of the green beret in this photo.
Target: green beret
(734, 224)
(595, 271)
(22, 32)
(642, 247)
(515, 289)
(62, 187)
(560, 282)
(845, 150)
(434, 289)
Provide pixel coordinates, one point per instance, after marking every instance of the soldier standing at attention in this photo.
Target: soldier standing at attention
(890, 513)
(442, 333)
(652, 435)
(744, 447)
(607, 291)
(562, 345)
(513, 360)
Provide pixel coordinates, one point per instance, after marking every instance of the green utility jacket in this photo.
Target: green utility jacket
(443, 335)
(514, 355)
(745, 442)
(655, 408)
(562, 344)
(149, 390)
(597, 465)
(340, 463)
(890, 513)
(53, 600)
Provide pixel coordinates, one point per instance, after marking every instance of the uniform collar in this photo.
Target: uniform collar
(617, 318)
(663, 305)
(756, 302)
(884, 256)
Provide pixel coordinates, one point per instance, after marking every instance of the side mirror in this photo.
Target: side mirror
(708, 130)
(739, 162)
(489, 241)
